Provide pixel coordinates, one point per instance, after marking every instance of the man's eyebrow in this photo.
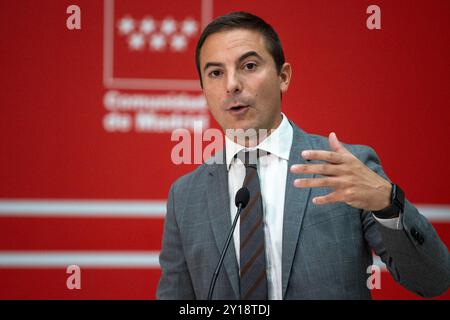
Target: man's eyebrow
(249, 54)
(241, 58)
(212, 64)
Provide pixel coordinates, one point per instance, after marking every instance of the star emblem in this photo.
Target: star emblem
(189, 27)
(157, 42)
(147, 25)
(136, 41)
(126, 25)
(168, 26)
(178, 42)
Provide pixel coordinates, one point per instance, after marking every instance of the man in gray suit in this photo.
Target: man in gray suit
(317, 209)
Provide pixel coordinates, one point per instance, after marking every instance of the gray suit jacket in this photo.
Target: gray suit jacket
(326, 249)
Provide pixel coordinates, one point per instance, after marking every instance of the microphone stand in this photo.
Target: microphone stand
(222, 256)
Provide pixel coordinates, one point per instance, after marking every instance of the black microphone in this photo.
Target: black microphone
(241, 201)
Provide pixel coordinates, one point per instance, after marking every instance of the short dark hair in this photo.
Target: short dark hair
(242, 20)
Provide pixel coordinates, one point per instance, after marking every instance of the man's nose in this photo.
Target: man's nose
(234, 84)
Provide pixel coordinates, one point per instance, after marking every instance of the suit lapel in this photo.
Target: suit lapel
(219, 215)
(296, 200)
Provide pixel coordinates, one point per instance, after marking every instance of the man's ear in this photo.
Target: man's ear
(285, 76)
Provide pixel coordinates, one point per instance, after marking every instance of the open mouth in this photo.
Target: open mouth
(238, 108)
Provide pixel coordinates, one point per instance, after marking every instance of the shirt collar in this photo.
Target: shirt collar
(278, 143)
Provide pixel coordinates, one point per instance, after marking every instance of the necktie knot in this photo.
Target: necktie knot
(250, 157)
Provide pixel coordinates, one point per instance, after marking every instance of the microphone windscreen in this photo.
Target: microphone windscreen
(242, 197)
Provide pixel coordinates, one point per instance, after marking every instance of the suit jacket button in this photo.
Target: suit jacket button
(420, 239)
(417, 236)
(414, 233)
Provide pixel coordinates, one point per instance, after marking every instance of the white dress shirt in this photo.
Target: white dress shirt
(272, 171)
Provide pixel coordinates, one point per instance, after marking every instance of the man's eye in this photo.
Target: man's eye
(250, 66)
(215, 73)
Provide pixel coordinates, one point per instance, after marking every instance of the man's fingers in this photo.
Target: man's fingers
(334, 142)
(316, 182)
(328, 156)
(322, 169)
(336, 145)
(329, 198)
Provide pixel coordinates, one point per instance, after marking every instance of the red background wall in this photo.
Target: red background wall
(385, 88)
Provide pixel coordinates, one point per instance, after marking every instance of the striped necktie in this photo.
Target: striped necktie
(253, 278)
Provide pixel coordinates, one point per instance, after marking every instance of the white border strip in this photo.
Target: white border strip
(80, 208)
(108, 40)
(83, 259)
(207, 12)
(131, 208)
(435, 212)
(92, 259)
